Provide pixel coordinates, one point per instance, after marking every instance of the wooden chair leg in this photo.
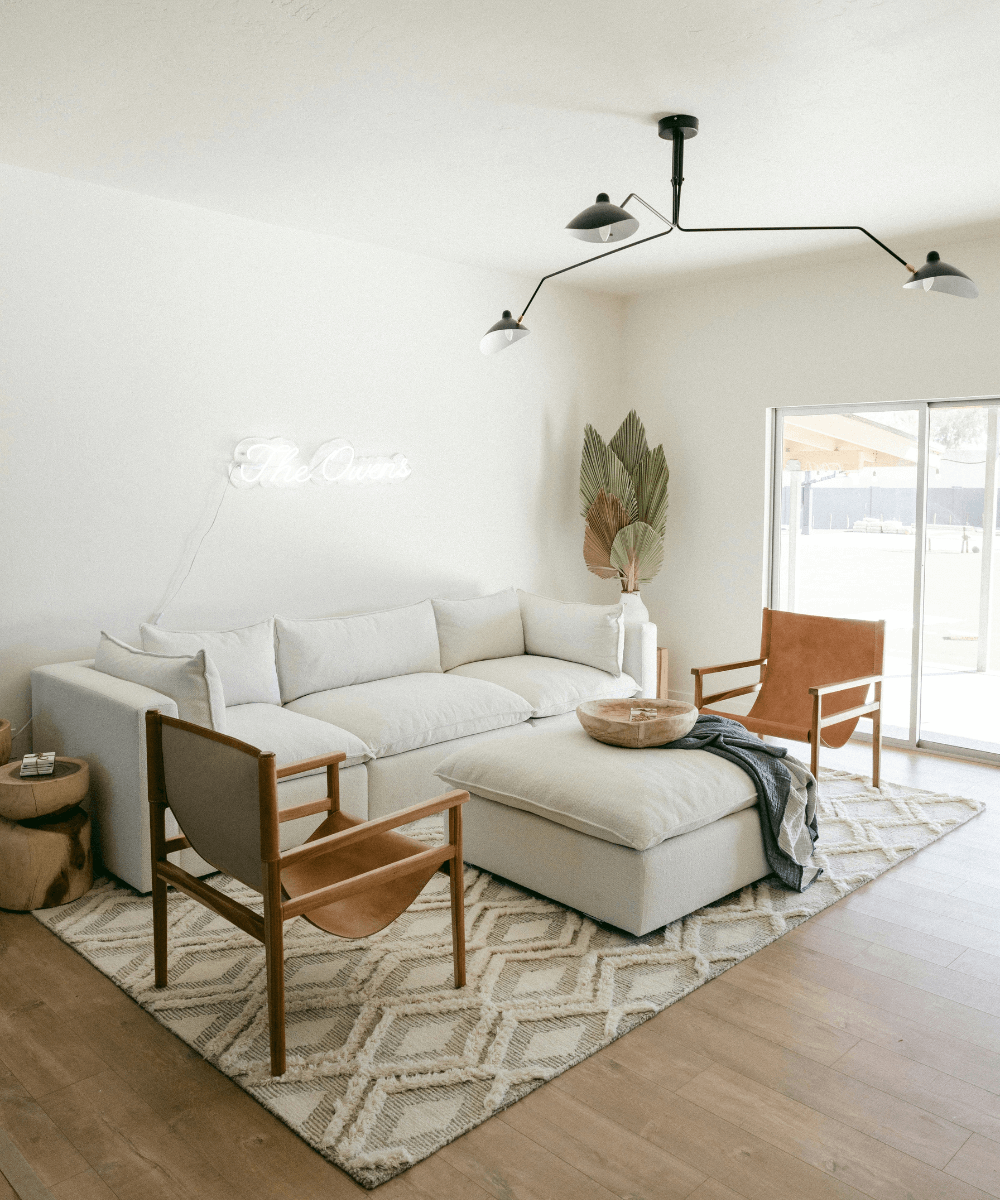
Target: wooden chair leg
(877, 739)
(274, 954)
(456, 875)
(157, 844)
(814, 738)
(159, 930)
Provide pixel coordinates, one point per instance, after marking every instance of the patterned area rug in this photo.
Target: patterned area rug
(387, 1062)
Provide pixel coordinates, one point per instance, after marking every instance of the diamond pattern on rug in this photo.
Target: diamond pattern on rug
(387, 1062)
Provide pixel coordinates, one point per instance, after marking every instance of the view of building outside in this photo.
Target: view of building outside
(848, 545)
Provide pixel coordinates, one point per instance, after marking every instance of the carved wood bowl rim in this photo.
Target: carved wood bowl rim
(608, 721)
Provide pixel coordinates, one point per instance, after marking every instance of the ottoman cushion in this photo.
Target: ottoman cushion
(634, 798)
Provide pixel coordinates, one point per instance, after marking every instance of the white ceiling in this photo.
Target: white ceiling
(473, 130)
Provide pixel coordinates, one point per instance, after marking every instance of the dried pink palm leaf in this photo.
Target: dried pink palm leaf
(605, 518)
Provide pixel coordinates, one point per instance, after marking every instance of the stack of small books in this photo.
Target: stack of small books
(38, 764)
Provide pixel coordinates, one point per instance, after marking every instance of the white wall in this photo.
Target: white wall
(141, 339)
(708, 356)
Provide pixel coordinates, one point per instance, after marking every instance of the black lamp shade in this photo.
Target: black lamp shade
(504, 333)
(939, 276)
(603, 222)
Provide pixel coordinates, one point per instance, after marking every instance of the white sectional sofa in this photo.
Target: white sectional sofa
(397, 692)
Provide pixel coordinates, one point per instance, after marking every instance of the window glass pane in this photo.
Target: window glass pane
(847, 531)
(960, 701)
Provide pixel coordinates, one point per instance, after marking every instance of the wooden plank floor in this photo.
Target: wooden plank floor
(858, 1056)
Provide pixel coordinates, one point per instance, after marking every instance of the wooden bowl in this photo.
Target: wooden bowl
(610, 721)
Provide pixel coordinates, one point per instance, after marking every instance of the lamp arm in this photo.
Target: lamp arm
(677, 182)
(636, 196)
(777, 228)
(594, 258)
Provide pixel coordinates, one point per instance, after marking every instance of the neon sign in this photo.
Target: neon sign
(274, 462)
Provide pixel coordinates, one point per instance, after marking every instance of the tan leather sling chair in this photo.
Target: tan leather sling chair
(802, 660)
(351, 878)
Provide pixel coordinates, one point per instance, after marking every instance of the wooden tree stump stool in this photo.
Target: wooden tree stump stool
(45, 855)
(39, 795)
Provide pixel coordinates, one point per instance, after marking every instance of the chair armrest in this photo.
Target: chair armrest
(311, 764)
(843, 687)
(698, 672)
(753, 662)
(862, 710)
(347, 837)
(740, 691)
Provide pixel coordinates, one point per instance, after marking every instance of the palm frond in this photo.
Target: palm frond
(592, 468)
(629, 443)
(604, 520)
(596, 557)
(637, 552)
(599, 468)
(651, 478)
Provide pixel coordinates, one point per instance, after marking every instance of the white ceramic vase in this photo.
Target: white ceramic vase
(635, 615)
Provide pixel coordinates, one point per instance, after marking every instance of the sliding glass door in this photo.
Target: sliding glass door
(889, 512)
(960, 676)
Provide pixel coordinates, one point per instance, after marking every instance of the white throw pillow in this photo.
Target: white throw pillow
(191, 681)
(244, 658)
(472, 630)
(315, 656)
(592, 634)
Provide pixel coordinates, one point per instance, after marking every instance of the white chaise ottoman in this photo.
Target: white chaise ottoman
(636, 838)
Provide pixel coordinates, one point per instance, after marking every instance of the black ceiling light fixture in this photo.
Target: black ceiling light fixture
(607, 222)
(603, 222)
(503, 334)
(939, 276)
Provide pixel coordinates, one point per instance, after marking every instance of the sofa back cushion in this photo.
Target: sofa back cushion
(244, 658)
(315, 656)
(191, 681)
(592, 634)
(473, 630)
(550, 685)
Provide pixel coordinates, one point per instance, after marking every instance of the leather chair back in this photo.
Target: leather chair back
(804, 651)
(212, 785)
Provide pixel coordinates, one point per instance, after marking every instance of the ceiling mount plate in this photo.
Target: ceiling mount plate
(669, 126)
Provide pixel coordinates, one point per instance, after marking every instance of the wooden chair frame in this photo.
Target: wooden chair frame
(269, 928)
(819, 722)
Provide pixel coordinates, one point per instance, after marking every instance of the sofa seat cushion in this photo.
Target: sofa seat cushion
(394, 715)
(550, 685)
(635, 798)
(291, 736)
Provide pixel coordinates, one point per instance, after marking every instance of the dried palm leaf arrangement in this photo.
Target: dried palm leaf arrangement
(623, 493)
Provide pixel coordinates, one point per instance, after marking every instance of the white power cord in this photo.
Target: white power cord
(172, 594)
